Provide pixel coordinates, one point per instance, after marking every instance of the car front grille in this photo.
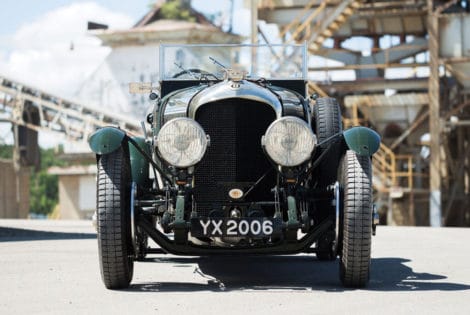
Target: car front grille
(235, 158)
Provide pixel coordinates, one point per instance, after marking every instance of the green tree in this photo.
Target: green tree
(44, 187)
(176, 10)
(6, 151)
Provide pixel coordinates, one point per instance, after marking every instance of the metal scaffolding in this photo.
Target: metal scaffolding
(430, 41)
(18, 102)
(422, 170)
(31, 110)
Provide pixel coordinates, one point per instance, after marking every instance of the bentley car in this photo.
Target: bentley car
(236, 159)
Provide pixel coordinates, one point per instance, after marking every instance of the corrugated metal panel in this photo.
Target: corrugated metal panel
(454, 35)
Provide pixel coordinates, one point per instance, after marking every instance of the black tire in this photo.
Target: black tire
(142, 243)
(326, 256)
(356, 220)
(327, 117)
(325, 250)
(114, 229)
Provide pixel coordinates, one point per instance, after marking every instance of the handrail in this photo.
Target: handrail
(308, 20)
(313, 87)
(331, 22)
(387, 165)
(324, 26)
(298, 18)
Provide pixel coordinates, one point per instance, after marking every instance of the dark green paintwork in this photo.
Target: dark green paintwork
(106, 140)
(179, 213)
(139, 165)
(362, 140)
(292, 211)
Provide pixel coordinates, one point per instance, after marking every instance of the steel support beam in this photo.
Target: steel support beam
(370, 66)
(374, 86)
(408, 131)
(435, 203)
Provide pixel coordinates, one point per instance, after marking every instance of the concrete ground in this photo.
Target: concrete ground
(52, 267)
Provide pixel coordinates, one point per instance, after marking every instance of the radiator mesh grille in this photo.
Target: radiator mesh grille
(235, 158)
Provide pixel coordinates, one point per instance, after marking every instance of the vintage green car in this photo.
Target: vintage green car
(239, 160)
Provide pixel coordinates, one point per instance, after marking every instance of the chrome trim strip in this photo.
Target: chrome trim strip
(132, 211)
(230, 89)
(337, 193)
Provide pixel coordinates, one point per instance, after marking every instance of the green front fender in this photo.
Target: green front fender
(109, 139)
(106, 140)
(362, 140)
(139, 164)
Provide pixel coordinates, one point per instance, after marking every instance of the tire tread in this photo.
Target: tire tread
(113, 174)
(328, 122)
(357, 220)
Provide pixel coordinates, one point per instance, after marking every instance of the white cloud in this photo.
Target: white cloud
(243, 29)
(54, 52)
(39, 53)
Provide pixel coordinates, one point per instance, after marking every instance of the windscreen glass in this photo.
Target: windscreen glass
(211, 62)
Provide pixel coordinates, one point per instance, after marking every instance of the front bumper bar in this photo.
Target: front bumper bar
(284, 248)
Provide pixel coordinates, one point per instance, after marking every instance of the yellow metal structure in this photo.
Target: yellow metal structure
(388, 166)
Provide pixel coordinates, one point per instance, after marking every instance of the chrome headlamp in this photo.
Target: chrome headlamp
(182, 142)
(289, 141)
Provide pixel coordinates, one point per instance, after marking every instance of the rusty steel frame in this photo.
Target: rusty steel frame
(73, 119)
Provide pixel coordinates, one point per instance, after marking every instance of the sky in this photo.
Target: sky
(45, 44)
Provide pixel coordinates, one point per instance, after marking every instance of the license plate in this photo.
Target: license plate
(244, 227)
